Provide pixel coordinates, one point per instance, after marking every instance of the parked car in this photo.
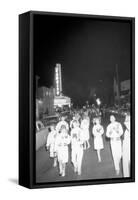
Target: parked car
(41, 134)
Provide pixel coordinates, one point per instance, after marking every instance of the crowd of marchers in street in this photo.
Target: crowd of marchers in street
(74, 132)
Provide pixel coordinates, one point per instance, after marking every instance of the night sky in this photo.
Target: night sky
(88, 50)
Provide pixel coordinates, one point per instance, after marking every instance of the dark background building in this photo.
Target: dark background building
(88, 51)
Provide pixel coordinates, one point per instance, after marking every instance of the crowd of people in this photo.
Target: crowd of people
(73, 135)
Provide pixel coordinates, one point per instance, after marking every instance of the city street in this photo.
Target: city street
(91, 169)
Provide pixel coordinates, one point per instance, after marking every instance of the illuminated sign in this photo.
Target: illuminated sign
(58, 81)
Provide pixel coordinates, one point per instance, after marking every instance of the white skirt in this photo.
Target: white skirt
(86, 134)
(62, 154)
(98, 143)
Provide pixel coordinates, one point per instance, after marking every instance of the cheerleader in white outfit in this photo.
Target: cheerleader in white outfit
(50, 145)
(77, 140)
(85, 129)
(126, 148)
(61, 146)
(114, 132)
(98, 140)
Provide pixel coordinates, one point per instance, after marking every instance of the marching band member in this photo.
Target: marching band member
(85, 128)
(114, 132)
(61, 147)
(51, 144)
(126, 148)
(77, 140)
(98, 140)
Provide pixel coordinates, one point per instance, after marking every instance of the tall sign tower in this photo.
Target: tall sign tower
(58, 80)
(59, 100)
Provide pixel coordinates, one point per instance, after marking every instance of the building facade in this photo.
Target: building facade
(45, 101)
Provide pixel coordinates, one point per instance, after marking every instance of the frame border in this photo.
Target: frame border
(31, 140)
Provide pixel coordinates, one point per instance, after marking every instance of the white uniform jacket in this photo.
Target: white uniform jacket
(77, 137)
(61, 147)
(114, 131)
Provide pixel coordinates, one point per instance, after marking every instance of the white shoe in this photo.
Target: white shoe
(63, 174)
(75, 169)
(117, 172)
(79, 173)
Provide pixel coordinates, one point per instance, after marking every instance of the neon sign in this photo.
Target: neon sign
(58, 83)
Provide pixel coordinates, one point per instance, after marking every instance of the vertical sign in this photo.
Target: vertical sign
(58, 80)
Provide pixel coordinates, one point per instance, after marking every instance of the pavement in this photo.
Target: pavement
(91, 168)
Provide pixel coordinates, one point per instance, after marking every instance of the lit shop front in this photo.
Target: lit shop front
(60, 101)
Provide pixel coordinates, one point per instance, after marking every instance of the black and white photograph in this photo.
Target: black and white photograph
(68, 100)
(83, 98)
